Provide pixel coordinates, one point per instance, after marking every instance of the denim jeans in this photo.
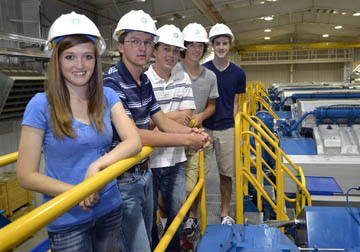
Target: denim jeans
(137, 193)
(98, 235)
(171, 183)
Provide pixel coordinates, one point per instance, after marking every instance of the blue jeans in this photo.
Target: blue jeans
(98, 235)
(137, 193)
(171, 183)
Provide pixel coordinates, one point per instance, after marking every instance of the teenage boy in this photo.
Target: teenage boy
(135, 34)
(205, 92)
(172, 89)
(220, 126)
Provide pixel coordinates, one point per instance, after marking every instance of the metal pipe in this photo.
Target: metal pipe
(165, 240)
(19, 230)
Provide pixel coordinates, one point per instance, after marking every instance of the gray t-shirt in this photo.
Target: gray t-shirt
(204, 87)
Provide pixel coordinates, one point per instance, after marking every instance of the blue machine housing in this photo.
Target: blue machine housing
(329, 227)
(243, 238)
(277, 106)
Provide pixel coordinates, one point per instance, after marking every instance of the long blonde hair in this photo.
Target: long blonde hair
(58, 95)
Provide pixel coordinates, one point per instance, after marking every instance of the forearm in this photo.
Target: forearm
(236, 104)
(180, 116)
(236, 109)
(171, 126)
(41, 183)
(124, 149)
(209, 111)
(161, 139)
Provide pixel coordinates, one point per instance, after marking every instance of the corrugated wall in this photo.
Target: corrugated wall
(332, 72)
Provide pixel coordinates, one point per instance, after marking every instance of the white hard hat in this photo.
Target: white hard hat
(135, 20)
(71, 24)
(220, 29)
(171, 35)
(195, 32)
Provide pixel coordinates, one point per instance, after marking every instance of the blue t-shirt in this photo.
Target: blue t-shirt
(231, 81)
(67, 160)
(138, 100)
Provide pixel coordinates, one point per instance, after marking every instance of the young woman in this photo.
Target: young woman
(72, 122)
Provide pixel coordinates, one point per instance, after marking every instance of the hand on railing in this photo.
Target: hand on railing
(205, 139)
(93, 198)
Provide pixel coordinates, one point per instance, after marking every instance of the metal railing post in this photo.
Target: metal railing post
(239, 171)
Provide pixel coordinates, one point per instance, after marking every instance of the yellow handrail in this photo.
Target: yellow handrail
(242, 125)
(8, 159)
(19, 230)
(199, 188)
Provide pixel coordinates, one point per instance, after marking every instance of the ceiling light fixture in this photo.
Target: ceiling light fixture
(267, 38)
(356, 14)
(268, 18)
(267, 30)
(338, 27)
(325, 35)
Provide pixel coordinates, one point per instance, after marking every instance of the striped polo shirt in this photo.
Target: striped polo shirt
(175, 94)
(138, 100)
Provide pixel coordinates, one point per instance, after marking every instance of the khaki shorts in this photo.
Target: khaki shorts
(222, 141)
(191, 168)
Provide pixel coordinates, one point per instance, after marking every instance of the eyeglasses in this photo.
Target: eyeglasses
(138, 43)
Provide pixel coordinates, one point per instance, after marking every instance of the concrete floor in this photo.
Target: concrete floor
(32, 242)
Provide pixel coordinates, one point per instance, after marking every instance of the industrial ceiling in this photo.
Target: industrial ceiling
(253, 22)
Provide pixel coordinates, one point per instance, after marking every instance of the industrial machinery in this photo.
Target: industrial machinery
(319, 129)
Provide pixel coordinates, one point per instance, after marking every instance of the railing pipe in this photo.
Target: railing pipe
(202, 194)
(19, 230)
(280, 215)
(8, 159)
(259, 172)
(165, 240)
(238, 172)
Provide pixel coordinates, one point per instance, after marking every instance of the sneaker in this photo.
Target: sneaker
(227, 220)
(190, 226)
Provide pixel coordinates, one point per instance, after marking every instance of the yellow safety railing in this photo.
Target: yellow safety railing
(8, 159)
(244, 161)
(199, 189)
(19, 230)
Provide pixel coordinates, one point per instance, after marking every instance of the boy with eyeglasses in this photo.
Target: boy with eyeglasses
(135, 33)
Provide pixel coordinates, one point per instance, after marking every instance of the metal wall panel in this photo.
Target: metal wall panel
(333, 72)
(268, 74)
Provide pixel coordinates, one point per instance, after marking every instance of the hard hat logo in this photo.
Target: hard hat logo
(144, 20)
(176, 35)
(75, 21)
(197, 32)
